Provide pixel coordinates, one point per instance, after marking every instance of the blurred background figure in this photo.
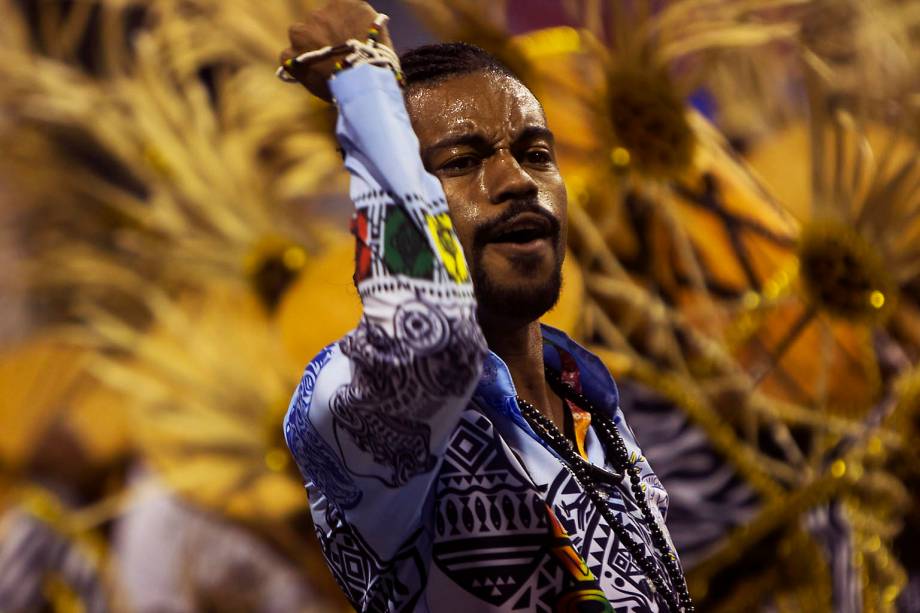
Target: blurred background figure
(744, 253)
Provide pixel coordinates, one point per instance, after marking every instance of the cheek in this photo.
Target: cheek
(555, 196)
(463, 214)
(563, 199)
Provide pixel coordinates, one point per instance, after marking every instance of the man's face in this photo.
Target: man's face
(484, 136)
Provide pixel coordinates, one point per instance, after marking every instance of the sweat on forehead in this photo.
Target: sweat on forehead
(480, 102)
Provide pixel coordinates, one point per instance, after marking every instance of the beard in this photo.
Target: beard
(532, 291)
(520, 300)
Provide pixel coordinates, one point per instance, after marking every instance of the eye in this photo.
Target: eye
(460, 163)
(538, 157)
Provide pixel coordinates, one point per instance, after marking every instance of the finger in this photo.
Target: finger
(385, 37)
(296, 70)
(359, 9)
(358, 17)
(300, 36)
(286, 55)
(312, 34)
(292, 68)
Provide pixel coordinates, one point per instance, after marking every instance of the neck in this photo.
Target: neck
(521, 348)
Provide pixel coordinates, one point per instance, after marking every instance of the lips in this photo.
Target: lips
(522, 229)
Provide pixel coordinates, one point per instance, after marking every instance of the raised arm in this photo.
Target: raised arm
(372, 416)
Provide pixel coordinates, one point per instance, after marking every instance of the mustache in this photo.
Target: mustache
(490, 229)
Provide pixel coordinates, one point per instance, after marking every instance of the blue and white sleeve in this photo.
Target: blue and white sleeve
(371, 419)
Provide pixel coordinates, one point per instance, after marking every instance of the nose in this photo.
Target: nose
(507, 180)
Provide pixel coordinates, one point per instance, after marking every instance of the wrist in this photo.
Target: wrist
(352, 52)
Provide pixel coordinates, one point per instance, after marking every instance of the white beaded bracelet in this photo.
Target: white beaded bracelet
(370, 51)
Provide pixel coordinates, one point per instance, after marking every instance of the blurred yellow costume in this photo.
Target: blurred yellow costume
(165, 178)
(709, 285)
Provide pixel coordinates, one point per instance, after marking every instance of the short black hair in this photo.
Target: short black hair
(432, 64)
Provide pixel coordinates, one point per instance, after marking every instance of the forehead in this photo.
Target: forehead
(483, 102)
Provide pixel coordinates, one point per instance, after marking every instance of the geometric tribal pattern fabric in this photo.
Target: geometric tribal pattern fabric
(428, 489)
(520, 547)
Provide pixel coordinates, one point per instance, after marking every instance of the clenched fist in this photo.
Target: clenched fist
(331, 25)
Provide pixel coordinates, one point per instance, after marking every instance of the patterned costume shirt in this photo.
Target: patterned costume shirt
(428, 489)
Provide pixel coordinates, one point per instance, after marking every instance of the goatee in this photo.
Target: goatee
(521, 298)
(525, 301)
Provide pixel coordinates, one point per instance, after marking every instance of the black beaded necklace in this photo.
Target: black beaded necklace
(589, 477)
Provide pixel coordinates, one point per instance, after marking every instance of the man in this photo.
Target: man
(458, 456)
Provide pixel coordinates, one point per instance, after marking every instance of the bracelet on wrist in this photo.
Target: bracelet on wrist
(354, 52)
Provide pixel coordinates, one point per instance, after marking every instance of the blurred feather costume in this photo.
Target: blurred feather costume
(708, 290)
(58, 441)
(157, 172)
(161, 223)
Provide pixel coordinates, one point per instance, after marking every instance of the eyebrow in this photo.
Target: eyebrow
(478, 141)
(535, 133)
